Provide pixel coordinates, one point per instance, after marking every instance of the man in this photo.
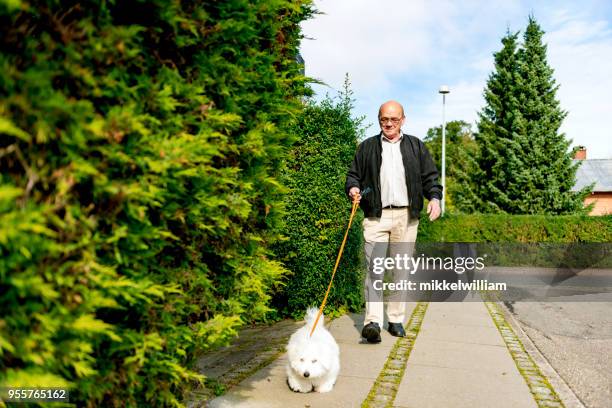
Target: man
(398, 172)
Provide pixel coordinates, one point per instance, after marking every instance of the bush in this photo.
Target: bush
(570, 241)
(139, 156)
(516, 228)
(318, 211)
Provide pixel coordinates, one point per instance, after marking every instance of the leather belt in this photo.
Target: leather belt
(397, 207)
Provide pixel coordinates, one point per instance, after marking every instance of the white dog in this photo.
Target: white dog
(313, 362)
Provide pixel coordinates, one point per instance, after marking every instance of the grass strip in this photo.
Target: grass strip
(383, 391)
(543, 393)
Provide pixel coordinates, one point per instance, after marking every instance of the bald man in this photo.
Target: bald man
(398, 172)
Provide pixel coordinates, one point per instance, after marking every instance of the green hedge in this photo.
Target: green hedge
(318, 211)
(140, 145)
(516, 228)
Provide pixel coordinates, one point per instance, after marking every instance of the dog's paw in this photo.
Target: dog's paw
(295, 386)
(327, 387)
(292, 387)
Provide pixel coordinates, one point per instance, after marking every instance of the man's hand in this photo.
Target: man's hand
(433, 209)
(355, 194)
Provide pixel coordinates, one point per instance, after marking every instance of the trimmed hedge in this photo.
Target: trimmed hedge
(140, 149)
(318, 211)
(516, 228)
(570, 241)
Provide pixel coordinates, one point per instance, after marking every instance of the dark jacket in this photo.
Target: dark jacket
(421, 174)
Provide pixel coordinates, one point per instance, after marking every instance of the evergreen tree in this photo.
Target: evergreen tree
(496, 127)
(318, 210)
(141, 151)
(543, 182)
(524, 163)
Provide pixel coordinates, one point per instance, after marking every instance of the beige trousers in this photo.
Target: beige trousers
(391, 234)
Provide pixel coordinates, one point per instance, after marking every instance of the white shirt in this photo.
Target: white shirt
(393, 190)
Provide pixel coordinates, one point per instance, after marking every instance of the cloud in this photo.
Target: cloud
(405, 50)
(462, 103)
(370, 40)
(376, 42)
(580, 51)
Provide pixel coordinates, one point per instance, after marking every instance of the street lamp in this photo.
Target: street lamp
(443, 90)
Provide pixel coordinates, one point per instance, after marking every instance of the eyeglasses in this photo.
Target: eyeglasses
(395, 121)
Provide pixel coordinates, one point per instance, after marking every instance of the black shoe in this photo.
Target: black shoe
(396, 329)
(371, 332)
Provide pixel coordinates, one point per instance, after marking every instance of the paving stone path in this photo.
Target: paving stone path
(455, 355)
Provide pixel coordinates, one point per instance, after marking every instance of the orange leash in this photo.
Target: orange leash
(353, 211)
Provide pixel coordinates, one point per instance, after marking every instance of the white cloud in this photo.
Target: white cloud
(406, 49)
(376, 42)
(462, 103)
(580, 51)
(370, 40)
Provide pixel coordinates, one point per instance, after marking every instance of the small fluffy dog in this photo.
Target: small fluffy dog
(313, 362)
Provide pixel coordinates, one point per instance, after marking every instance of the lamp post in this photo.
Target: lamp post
(443, 90)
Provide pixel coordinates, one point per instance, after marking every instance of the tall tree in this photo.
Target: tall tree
(524, 163)
(496, 128)
(543, 183)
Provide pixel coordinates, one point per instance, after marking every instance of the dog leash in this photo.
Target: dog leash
(353, 211)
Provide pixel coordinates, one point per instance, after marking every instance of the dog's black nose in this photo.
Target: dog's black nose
(306, 374)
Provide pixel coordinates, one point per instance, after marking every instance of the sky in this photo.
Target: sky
(405, 50)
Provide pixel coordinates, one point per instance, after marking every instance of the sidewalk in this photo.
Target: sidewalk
(459, 359)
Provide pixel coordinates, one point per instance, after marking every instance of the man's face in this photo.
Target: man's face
(391, 119)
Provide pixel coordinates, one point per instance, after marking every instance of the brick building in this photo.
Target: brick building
(598, 171)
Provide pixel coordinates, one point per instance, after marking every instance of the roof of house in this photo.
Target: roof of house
(598, 171)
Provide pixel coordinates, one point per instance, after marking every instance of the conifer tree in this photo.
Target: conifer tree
(495, 128)
(524, 164)
(543, 180)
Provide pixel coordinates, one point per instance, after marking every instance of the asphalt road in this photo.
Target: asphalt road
(576, 339)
